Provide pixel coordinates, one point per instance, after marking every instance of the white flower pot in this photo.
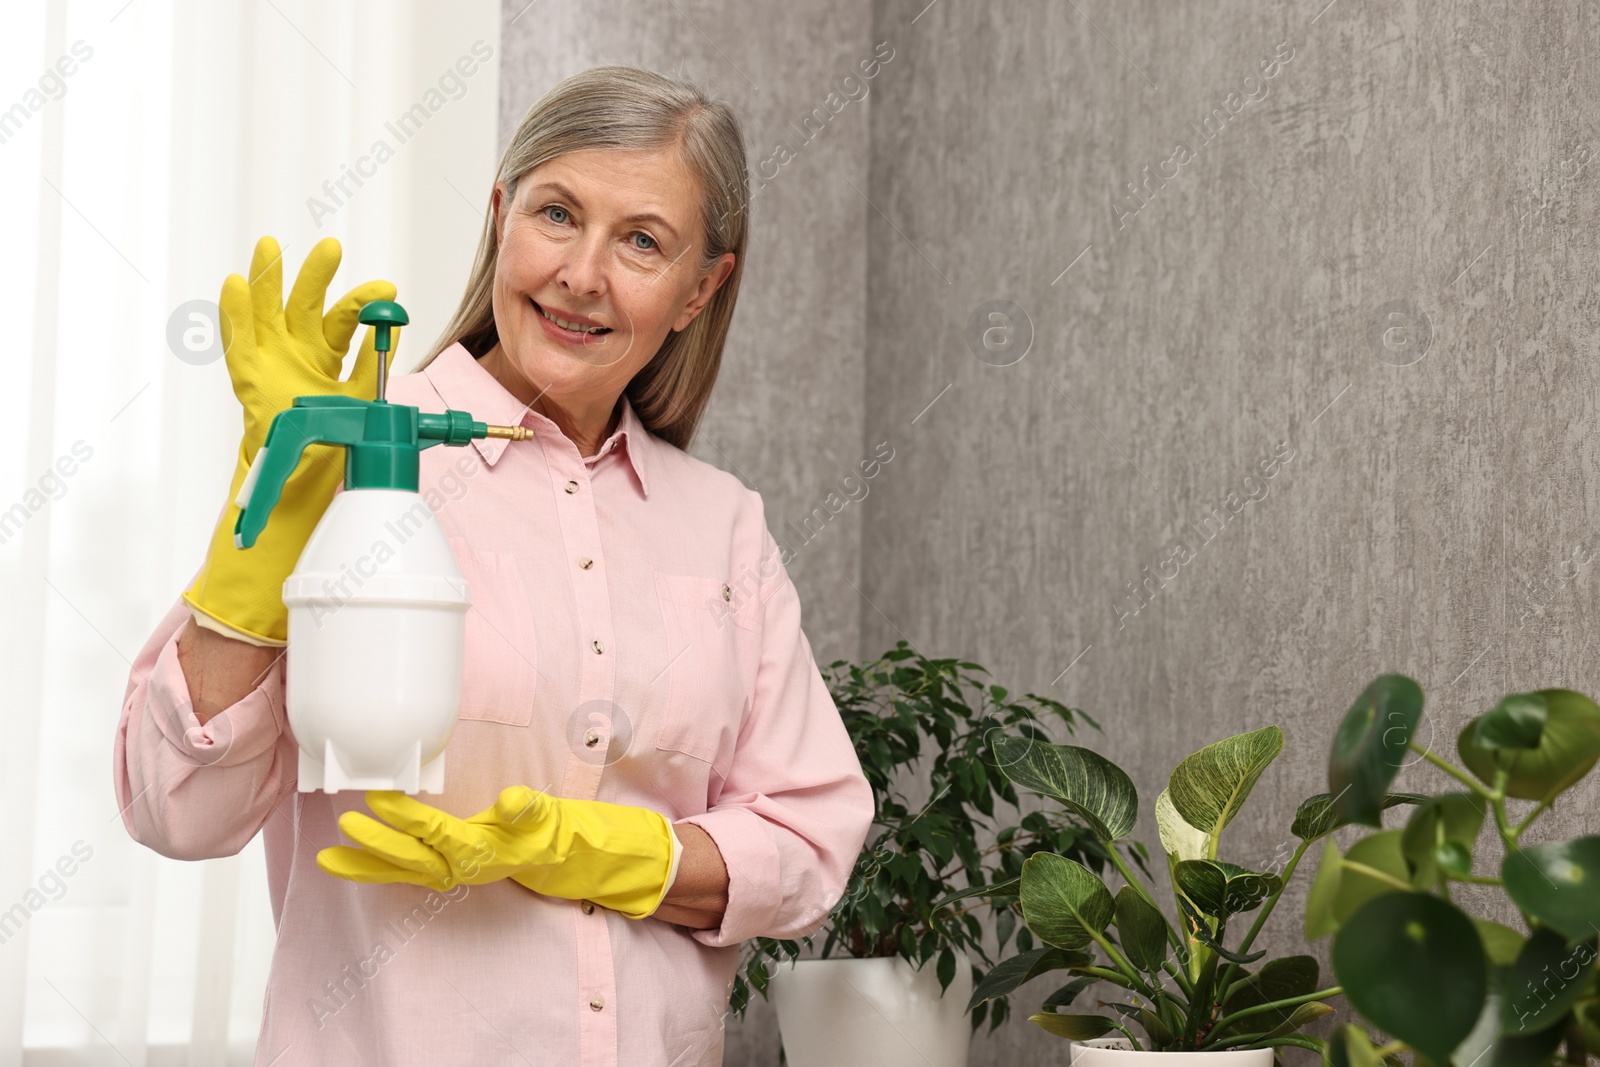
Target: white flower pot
(873, 1013)
(1115, 1052)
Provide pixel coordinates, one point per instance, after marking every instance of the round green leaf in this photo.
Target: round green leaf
(1319, 920)
(1074, 1027)
(1379, 853)
(1485, 1046)
(1502, 943)
(1062, 900)
(1210, 786)
(1086, 782)
(1350, 1047)
(1413, 965)
(1568, 747)
(1545, 982)
(1448, 818)
(1516, 722)
(1370, 747)
(1557, 883)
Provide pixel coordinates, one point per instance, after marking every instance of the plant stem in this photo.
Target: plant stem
(1123, 965)
(1232, 970)
(1128, 1034)
(1538, 810)
(1107, 975)
(1498, 800)
(1390, 1049)
(1127, 875)
(1379, 876)
(1201, 1001)
(1292, 1002)
(1179, 977)
(1453, 771)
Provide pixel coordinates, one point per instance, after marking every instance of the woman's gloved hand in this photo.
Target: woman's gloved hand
(620, 856)
(274, 354)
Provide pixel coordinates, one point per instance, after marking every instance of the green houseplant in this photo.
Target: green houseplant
(1449, 986)
(894, 904)
(1178, 981)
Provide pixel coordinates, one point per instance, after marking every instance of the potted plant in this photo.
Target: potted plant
(1180, 982)
(868, 998)
(1447, 985)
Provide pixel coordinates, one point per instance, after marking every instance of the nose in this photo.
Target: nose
(582, 271)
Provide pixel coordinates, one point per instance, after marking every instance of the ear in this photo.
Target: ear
(709, 283)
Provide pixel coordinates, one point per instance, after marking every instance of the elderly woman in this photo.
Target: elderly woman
(648, 768)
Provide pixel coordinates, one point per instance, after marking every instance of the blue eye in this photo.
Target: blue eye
(647, 237)
(552, 207)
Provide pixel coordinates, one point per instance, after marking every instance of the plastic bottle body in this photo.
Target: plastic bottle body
(377, 625)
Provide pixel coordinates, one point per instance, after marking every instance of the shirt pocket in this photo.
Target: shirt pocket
(500, 661)
(713, 637)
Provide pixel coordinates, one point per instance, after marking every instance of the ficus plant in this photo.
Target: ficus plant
(1448, 986)
(1180, 976)
(911, 715)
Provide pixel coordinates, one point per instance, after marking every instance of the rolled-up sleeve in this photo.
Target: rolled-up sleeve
(193, 791)
(795, 808)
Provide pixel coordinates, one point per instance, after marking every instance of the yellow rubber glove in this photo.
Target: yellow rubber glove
(620, 856)
(274, 354)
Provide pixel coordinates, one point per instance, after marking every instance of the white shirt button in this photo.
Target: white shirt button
(586, 563)
(597, 1002)
(572, 487)
(588, 907)
(599, 648)
(727, 594)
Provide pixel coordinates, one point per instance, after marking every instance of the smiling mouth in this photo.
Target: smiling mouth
(574, 329)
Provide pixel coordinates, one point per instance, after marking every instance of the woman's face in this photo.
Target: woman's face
(601, 237)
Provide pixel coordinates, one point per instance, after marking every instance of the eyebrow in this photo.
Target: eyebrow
(646, 216)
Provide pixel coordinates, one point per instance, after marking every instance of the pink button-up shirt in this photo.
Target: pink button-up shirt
(633, 638)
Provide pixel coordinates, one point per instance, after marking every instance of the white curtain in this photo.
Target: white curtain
(144, 147)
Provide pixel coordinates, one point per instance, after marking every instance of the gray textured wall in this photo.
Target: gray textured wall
(1420, 168)
(1376, 262)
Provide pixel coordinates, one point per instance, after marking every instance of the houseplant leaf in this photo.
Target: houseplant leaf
(1380, 853)
(1568, 747)
(1502, 943)
(1517, 722)
(1350, 1047)
(1209, 786)
(1413, 965)
(1485, 1046)
(1063, 901)
(1075, 1027)
(1545, 981)
(1012, 972)
(1319, 920)
(1069, 992)
(1141, 930)
(1370, 746)
(1557, 883)
(1316, 817)
(1448, 817)
(1178, 838)
(1086, 782)
(1223, 889)
(1280, 979)
(1301, 1017)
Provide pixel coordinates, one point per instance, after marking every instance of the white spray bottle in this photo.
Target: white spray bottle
(377, 605)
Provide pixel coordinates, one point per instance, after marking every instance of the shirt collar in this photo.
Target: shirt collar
(464, 385)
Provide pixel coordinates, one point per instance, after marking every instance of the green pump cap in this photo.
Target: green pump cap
(382, 441)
